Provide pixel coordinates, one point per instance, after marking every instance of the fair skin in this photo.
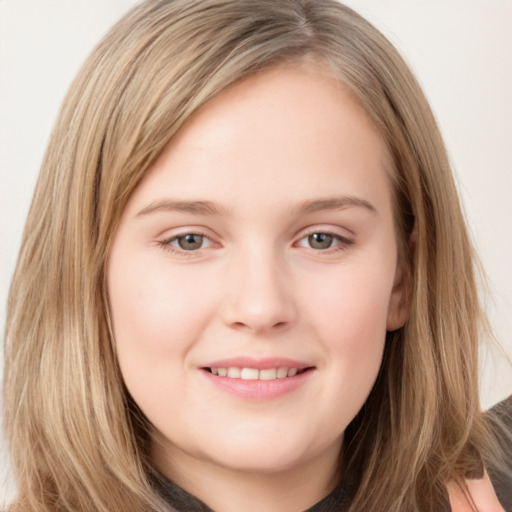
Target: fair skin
(260, 244)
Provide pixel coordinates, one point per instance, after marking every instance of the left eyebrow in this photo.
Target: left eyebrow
(333, 203)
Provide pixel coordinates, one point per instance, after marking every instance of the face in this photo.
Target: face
(254, 275)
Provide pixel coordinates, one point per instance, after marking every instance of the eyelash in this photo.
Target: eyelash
(342, 245)
(166, 244)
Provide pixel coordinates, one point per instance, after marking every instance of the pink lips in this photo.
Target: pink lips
(260, 364)
(257, 379)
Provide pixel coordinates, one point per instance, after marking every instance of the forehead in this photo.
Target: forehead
(291, 129)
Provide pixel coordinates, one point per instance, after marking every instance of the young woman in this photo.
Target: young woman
(245, 281)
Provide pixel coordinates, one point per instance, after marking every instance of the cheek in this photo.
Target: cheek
(156, 312)
(351, 323)
(157, 317)
(353, 310)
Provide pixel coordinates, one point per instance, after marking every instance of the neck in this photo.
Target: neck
(232, 489)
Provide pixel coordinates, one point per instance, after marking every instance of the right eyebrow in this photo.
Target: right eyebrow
(193, 207)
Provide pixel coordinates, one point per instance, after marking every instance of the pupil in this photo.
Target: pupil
(320, 240)
(190, 242)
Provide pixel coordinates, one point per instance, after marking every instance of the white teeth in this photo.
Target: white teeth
(269, 374)
(234, 373)
(249, 374)
(255, 374)
(282, 372)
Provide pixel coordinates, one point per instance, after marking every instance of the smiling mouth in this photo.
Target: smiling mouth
(234, 372)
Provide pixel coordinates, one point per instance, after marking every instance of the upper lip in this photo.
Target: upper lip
(259, 364)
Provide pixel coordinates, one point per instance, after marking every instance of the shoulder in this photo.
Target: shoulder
(492, 492)
(500, 422)
(502, 412)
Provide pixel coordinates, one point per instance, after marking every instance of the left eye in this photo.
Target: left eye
(190, 242)
(321, 241)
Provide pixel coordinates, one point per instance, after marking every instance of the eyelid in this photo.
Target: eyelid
(166, 242)
(344, 241)
(328, 230)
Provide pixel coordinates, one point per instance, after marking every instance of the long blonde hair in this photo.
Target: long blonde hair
(78, 442)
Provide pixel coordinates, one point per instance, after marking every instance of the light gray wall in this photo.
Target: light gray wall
(460, 49)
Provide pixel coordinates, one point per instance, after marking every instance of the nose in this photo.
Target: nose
(259, 295)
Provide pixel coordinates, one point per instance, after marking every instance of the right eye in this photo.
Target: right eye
(188, 242)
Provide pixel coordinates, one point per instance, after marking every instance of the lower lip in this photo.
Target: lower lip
(258, 389)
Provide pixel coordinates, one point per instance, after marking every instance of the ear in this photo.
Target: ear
(400, 299)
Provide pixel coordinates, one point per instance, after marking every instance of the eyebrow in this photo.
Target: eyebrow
(333, 203)
(211, 208)
(194, 207)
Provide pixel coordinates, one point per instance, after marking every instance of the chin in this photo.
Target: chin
(258, 461)
(264, 454)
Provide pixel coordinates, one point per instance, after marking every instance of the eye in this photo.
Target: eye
(322, 241)
(188, 242)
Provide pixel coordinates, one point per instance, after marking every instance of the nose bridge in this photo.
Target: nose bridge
(259, 295)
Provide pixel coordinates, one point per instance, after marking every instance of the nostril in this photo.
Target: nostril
(255, 326)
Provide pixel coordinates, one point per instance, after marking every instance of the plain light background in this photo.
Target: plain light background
(461, 50)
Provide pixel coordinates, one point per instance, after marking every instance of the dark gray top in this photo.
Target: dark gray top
(337, 501)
